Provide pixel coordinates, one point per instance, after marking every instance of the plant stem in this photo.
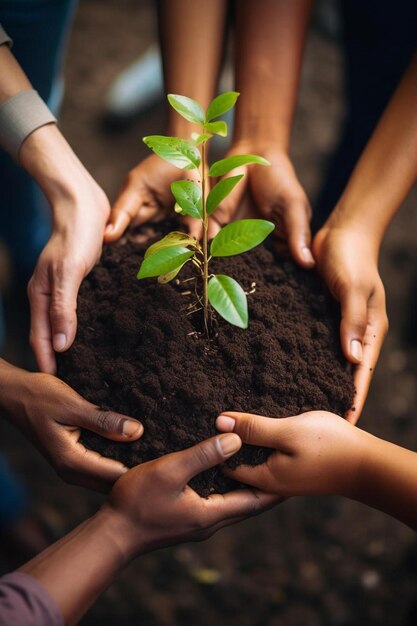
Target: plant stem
(205, 241)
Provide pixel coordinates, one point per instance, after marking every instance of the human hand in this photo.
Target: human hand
(158, 508)
(278, 197)
(146, 195)
(314, 453)
(52, 415)
(347, 260)
(80, 211)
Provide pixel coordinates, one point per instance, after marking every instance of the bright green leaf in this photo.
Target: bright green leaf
(217, 128)
(220, 191)
(199, 139)
(164, 261)
(166, 278)
(188, 108)
(221, 104)
(188, 195)
(219, 168)
(227, 297)
(179, 152)
(240, 236)
(175, 238)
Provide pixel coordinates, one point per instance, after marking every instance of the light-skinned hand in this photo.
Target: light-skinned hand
(348, 263)
(314, 453)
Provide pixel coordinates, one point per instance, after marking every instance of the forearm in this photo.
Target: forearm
(79, 567)
(270, 36)
(387, 168)
(12, 77)
(191, 35)
(388, 479)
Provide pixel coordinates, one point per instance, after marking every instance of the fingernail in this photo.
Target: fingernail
(356, 349)
(229, 444)
(59, 341)
(225, 423)
(132, 429)
(307, 256)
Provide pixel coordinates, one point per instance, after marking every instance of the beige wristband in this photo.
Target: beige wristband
(20, 115)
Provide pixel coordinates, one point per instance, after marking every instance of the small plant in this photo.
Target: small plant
(166, 257)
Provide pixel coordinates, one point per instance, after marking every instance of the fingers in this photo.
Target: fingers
(108, 424)
(354, 310)
(376, 331)
(40, 337)
(183, 466)
(128, 206)
(63, 307)
(296, 219)
(256, 430)
(258, 477)
(89, 469)
(223, 510)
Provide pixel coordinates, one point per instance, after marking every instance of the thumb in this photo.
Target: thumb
(256, 430)
(354, 310)
(129, 205)
(203, 456)
(108, 424)
(297, 226)
(63, 308)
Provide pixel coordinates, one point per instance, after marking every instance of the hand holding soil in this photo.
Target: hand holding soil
(80, 210)
(308, 452)
(165, 510)
(275, 194)
(52, 415)
(347, 261)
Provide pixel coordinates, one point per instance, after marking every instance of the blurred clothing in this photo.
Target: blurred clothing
(24, 602)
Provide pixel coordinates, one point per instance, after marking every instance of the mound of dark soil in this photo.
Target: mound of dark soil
(137, 352)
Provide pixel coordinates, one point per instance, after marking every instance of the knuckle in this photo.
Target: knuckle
(205, 453)
(107, 421)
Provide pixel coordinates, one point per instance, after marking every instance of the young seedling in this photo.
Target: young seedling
(166, 257)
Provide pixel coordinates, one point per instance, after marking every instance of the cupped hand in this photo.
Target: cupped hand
(314, 453)
(278, 196)
(146, 195)
(348, 263)
(158, 508)
(79, 219)
(52, 415)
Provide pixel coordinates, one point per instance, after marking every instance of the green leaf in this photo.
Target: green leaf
(240, 236)
(166, 278)
(220, 191)
(227, 297)
(217, 128)
(221, 104)
(176, 238)
(164, 261)
(219, 168)
(179, 152)
(188, 195)
(199, 139)
(188, 108)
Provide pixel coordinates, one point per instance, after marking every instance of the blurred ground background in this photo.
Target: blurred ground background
(321, 561)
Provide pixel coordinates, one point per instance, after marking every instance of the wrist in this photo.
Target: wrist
(49, 159)
(343, 219)
(266, 133)
(125, 536)
(11, 390)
